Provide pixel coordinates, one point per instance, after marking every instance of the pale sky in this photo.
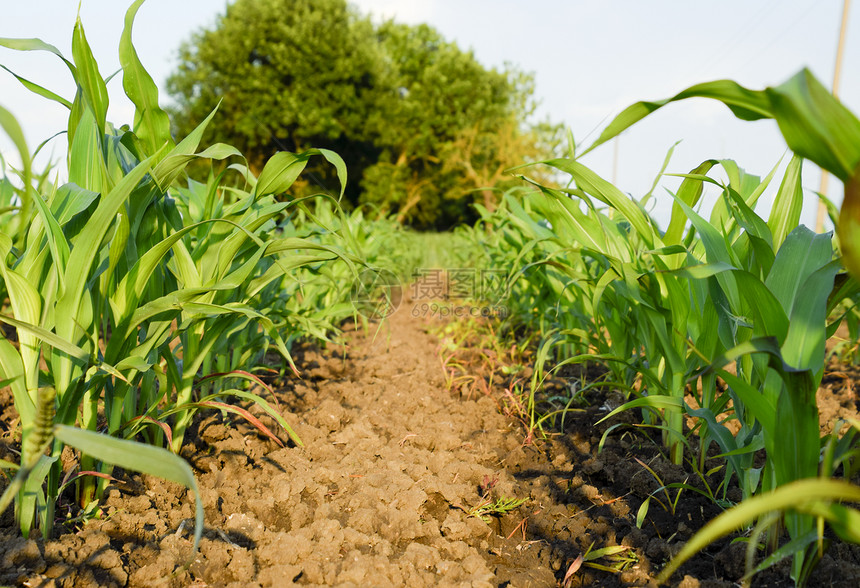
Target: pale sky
(591, 58)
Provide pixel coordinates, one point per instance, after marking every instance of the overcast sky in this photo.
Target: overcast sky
(590, 58)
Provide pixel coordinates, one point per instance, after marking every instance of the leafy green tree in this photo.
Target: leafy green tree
(287, 75)
(422, 125)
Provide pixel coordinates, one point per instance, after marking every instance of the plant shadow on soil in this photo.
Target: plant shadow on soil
(382, 491)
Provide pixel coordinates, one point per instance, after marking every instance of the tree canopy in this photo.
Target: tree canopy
(424, 128)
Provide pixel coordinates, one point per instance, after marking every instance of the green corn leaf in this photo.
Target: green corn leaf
(655, 402)
(32, 494)
(715, 245)
(787, 205)
(81, 261)
(759, 303)
(758, 405)
(48, 337)
(151, 124)
(642, 512)
(133, 362)
(89, 79)
(844, 521)
(704, 270)
(39, 90)
(568, 219)
(37, 45)
(802, 253)
(70, 200)
(804, 346)
(170, 303)
(340, 167)
(689, 193)
(747, 218)
(131, 288)
(593, 184)
(12, 372)
(848, 226)
(745, 104)
(136, 457)
(59, 344)
(795, 453)
(86, 156)
(178, 160)
(26, 304)
(723, 437)
(816, 125)
(169, 168)
(748, 188)
(280, 171)
(57, 244)
(792, 547)
(11, 127)
(647, 197)
(796, 495)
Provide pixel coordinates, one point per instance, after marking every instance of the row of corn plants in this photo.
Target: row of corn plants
(726, 297)
(133, 297)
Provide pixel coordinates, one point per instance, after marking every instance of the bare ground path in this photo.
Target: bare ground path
(385, 492)
(379, 496)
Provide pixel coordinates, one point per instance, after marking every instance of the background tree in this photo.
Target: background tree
(420, 123)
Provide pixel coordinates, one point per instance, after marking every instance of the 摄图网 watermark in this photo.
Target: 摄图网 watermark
(433, 293)
(436, 310)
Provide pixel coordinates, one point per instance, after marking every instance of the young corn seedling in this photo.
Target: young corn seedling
(784, 300)
(489, 508)
(120, 297)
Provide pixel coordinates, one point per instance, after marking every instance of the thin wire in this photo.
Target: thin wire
(758, 54)
(733, 43)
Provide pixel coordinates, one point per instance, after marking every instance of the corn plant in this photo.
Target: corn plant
(773, 287)
(129, 289)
